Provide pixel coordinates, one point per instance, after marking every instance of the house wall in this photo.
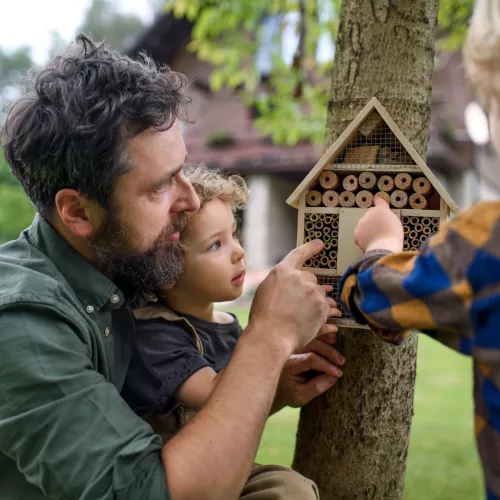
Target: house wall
(270, 225)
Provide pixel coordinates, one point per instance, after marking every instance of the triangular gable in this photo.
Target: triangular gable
(372, 112)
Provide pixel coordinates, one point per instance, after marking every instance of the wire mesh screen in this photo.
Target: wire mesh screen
(375, 144)
(334, 281)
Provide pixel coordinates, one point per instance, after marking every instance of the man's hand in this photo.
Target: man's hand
(309, 372)
(379, 229)
(289, 306)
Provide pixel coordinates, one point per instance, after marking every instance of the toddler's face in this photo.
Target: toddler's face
(214, 263)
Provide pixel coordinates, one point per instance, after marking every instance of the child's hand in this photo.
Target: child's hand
(379, 229)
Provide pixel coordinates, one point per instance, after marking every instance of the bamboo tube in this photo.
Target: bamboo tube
(406, 246)
(313, 198)
(399, 199)
(364, 199)
(350, 183)
(385, 183)
(415, 243)
(309, 225)
(421, 185)
(403, 181)
(335, 233)
(319, 225)
(413, 220)
(335, 224)
(382, 194)
(419, 227)
(328, 246)
(322, 253)
(328, 220)
(324, 261)
(418, 201)
(329, 179)
(326, 238)
(307, 239)
(316, 263)
(318, 234)
(347, 199)
(330, 199)
(405, 219)
(322, 217)
(307, 216)
(326, 230)
(426, 221)
(427, 230)
(435, 221)
(423, 238)
(332, 265)
(406, 229)
(413, 234)
(308, 263)
(332, 254)
(335, 216)
(414, 249)
(334, 242)
(314, 217)
(367, 180)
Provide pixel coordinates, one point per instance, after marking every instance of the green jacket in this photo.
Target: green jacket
(65, 432)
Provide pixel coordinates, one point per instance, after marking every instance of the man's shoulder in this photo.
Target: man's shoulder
(28, 275)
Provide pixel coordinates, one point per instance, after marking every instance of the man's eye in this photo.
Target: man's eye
(214, 246)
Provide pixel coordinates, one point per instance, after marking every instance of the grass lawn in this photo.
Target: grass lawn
(442, 461)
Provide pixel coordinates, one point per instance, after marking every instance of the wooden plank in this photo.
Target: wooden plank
(443, 210)
(333, 151)
(300, 223)
(321, 210)
(416, 157)
(348, 251)
(420, 213)
(323, 271)
(382, 167)
(347, 323)
(364, 155)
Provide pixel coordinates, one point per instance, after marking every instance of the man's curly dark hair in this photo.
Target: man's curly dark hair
(70, 129)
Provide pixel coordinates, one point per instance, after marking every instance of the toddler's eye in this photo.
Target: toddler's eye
(214, 246)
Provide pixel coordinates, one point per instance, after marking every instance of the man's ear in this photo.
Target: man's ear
(81, 215)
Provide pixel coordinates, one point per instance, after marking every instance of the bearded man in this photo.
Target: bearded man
(97, 146)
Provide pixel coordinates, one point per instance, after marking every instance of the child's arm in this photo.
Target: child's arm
(430, 290)
(194, 392)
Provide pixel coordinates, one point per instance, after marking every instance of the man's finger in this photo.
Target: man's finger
(313, 361)
(326, 351)
(316, 386)
(298, 257)
(327, 328)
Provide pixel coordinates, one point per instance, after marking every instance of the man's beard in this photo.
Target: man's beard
(149, 270)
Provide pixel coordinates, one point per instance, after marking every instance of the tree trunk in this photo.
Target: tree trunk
(353, 441)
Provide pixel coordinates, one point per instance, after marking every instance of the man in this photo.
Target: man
(98, 148)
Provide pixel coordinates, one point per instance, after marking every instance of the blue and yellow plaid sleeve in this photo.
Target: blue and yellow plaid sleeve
(432, 290)
(450, 290)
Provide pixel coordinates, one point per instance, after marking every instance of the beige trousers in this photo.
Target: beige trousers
(274, 482)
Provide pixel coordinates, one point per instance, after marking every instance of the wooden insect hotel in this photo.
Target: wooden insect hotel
(371, 158)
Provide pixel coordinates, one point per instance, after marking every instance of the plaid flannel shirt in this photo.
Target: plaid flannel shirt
(450, 290)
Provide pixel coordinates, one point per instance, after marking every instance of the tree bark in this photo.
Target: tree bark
(353, 441)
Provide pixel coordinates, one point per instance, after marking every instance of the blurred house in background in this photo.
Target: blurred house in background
(223, 135)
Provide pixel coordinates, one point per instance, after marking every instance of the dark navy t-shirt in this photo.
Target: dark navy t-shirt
(165, 355)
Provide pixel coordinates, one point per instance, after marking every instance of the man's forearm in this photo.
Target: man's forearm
(231, 422)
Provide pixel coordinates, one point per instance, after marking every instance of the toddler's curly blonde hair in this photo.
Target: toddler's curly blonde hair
(212, 183)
